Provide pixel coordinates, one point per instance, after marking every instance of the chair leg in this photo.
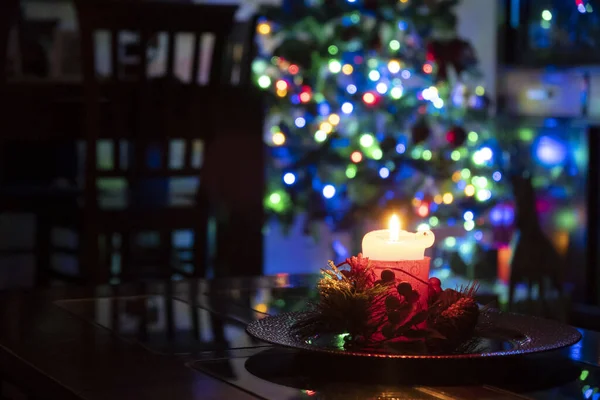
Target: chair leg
(90, 266)
(43, 232)
(200, 247)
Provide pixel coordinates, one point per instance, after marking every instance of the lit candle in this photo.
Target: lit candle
(394, 244)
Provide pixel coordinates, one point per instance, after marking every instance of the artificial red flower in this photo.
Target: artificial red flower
(360, 272)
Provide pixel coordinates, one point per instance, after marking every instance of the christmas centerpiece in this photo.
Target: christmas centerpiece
(383, 300)
(382, 303)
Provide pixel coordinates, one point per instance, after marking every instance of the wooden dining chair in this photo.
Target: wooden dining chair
(8, 19)
(160, 128)
(241, 51)
(29, 133)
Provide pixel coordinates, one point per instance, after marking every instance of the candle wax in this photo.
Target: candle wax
(377, 245)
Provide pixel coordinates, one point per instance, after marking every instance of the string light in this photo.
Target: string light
(483, 195)
(264, 81)
(328, 191)
(381, 88)
(396, 92)
(369, 98)
(335, 66)
(337, 100)
(394, 66)
(351, 171)
(289, 178)
(263, 28)
(275, 198)
(278, 139)
(546, 15)
(281, 85)
(430, 93)
(384, 172)
(423, 210)
(416, 152)
(486, 153)
(324, 109)
(448, 198)
(326, 127)
(469, 225)
(305, 97)
(320, 136)
(366, 140)
(481, 182)
(374, 75)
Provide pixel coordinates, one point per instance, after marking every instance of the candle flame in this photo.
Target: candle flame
(394, 228)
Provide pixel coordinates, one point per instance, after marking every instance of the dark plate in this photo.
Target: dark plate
(513, 334)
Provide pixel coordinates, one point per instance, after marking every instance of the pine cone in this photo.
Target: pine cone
(457, 321)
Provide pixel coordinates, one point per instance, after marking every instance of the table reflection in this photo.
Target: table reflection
(163, 324)
(290, 375)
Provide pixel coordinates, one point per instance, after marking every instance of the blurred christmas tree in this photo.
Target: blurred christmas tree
(376, 105)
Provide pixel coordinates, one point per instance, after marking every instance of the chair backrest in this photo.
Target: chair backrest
(242, 50)
(8, 18)
(140, 109)
(139, 121)
(146, 19)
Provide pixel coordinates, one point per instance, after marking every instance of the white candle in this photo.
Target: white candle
(395, 244)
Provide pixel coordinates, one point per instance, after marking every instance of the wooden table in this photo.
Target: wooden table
(186, 340)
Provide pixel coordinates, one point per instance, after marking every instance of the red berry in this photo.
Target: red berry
(413, 297)
(404, 288)
(388, 276)
(392, 302)
(394, 317)
(388, 331)
(435, 282)
(432, 292)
